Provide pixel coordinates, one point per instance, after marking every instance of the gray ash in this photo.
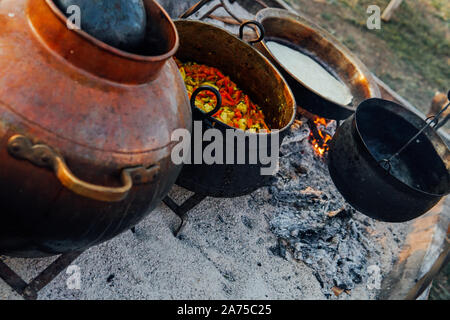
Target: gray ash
(313, 219)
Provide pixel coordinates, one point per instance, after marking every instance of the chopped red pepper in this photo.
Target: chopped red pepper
(197, 75)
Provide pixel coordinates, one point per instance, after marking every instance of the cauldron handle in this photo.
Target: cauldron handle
(262, 31)
(41, 155)
(216, 93)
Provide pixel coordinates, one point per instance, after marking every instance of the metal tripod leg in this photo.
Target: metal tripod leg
(29, 291)
(182, 210)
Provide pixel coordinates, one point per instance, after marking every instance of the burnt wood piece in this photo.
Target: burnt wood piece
(315, 133)
(12, 279)
(425, 282)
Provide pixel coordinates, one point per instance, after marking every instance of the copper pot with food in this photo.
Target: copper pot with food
(232, 87)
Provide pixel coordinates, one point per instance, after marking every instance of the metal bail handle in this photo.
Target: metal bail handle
(262, 31)
(435, 120)
(43, 156)
(216, 93)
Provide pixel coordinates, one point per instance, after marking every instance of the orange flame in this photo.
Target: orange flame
(320, 147)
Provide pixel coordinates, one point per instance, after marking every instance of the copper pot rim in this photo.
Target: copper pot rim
(267, 61)
(121, 53)
(301, 19)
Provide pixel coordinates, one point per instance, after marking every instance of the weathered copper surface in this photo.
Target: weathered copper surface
(101, 109)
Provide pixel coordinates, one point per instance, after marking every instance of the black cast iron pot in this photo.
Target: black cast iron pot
(415, 180)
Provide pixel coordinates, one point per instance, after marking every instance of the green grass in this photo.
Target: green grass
(327, 16)
(442, 7)
(411, 53)
(412, 37)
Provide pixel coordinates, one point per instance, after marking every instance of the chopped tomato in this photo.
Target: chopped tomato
(240, 111)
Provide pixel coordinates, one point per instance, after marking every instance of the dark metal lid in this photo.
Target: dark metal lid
(119, 23)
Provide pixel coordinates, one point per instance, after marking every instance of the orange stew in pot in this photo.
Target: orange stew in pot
(237, 109)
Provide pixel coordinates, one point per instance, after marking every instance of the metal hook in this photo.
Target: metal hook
(262, 31)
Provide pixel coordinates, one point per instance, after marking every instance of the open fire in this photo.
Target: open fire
(319, 137)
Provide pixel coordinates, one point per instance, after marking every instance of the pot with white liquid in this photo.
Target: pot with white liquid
(325, 77)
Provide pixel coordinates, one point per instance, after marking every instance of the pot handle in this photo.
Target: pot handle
(262, 31)
(216, 93)
(43, 156)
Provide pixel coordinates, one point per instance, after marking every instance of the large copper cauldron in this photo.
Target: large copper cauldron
(85, 129)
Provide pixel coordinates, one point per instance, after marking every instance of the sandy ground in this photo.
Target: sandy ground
(218, 257)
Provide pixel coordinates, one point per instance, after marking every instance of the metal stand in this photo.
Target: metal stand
(210, 12)
(201, 4)
(29, 291)
(182, 210)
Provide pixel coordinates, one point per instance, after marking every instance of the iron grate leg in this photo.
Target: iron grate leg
(29, 291)
(183, 209)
